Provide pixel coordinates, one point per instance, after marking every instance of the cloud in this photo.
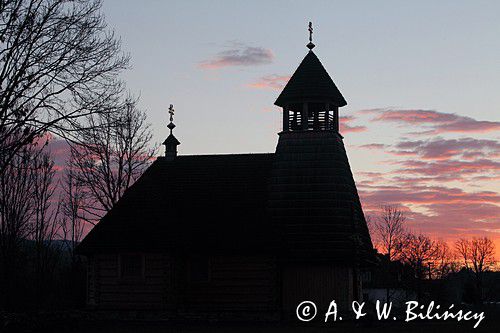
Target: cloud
(442, 149)
(239, 55)
(440, 211)
(423, 173)
(345, 127)
(270, 82)
(436, 122)
(425, 195)
(59, 151)
(458, 167)
(373, 146)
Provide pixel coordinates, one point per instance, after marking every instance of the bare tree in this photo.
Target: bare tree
(390, 231)
(73, 217)
(482, 254)
(16, 211)
(115, 153)
(419, 251)
(444, 261)
(463, 248)
(44, 225)
(478, 255)
(58, 63)
(482, 251)
(26, 214)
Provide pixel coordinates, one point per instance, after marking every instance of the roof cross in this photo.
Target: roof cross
(171, 141)
(171, 111)
(310, 32)
(310, 46)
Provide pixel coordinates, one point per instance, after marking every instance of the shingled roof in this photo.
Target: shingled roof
(313, 199)
(221, 203)
(192, 202)
(310, 82)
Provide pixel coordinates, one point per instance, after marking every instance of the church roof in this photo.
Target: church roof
(221, 203)
(192, 202)
(310, 82)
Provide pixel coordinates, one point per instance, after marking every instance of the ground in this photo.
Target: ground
(347, 327)
(86, 322)
(157, 327)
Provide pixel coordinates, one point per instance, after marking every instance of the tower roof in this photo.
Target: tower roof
(171, 139)
(310, 82)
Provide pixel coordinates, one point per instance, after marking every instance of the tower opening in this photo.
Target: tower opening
(310, 116)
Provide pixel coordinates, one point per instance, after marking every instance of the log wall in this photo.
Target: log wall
(113, 292)
(236, 283)
(318, 284)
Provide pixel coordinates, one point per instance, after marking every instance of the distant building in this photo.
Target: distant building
(240, 235)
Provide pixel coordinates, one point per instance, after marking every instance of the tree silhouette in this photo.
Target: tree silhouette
(58, 64)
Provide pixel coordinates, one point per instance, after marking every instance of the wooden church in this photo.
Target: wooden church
(243, 235)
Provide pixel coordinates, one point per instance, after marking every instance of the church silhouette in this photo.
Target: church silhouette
(240, 236)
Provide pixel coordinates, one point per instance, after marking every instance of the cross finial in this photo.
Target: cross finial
(310, 46)
(171, 111)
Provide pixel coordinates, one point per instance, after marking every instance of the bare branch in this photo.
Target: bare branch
(115, 153)
(390, 231)
(59, 63)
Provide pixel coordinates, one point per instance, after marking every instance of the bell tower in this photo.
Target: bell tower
(313, 200)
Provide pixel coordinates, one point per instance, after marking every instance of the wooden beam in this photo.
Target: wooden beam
(327, 115)
(286, 118)
(305, 116)
(336, 118)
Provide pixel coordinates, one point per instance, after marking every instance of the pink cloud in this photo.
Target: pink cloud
(439, 122)
(449, 212)
(345, 127)
(270, 82)
(418, 187)
(462, 168)
(373, 146)
(486, 178)
(59, 151)
(425, 166)
(442, 149)
(425, 195)
(240, 55)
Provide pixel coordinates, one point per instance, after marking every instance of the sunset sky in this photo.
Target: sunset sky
(421, 79)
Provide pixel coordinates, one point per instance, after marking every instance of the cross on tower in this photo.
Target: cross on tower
(171, 141)
(310, 46)
(171, 111)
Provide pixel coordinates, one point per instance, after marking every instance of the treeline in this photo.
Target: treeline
(430, 258)
(60, 71)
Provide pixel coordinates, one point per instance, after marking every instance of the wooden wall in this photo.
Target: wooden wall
(112, 292)
(319, 284)
(237, 283)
